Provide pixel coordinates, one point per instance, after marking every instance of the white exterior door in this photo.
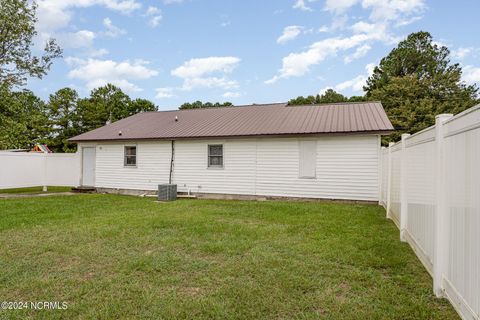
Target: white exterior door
(88, 165)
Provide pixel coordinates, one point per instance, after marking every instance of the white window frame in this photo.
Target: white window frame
(209, 166)
(125, 156)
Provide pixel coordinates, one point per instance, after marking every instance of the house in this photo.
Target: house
(329, 151)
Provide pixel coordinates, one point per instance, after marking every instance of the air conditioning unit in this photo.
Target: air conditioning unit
(167, 192)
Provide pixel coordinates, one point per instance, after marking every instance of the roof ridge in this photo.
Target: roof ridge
(267, 104)
(333, 103)
(225, 107)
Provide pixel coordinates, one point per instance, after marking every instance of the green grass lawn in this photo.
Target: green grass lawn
(121, 257)
(36, 190)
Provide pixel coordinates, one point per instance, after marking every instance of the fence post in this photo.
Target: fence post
(389, 177)
(45, 176)
(440, 256)
(403, 188)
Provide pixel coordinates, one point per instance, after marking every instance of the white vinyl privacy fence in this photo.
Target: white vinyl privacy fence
(430, 187)
(27, 169)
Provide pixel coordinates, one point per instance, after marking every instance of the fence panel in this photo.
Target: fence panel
(26, 169)
(462, 144)
(383, 176)
(395, 180)
(420, 149)
(441, 195)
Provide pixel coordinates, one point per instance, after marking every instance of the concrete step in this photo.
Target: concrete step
(83, 189)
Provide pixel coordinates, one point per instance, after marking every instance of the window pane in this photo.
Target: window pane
(130, 160)
(130, 151)
(215, 161)
(215, 150)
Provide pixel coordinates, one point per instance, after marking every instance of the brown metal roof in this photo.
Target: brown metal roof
(252, 120)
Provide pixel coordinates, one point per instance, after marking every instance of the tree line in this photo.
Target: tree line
(415, 82)
(25, 119)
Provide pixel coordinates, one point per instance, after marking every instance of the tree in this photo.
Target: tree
(201, 105)
(358, 99)
(17, 30)
(300, 100)
(108, 104)
(329, 96)
(141, 105)
(23, 119)
(64, 119)
(417, 81)
(105, 105)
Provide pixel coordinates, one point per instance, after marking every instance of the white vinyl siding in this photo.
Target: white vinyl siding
(308, 157)
(345, 167)
(236, 177)
(153, 166)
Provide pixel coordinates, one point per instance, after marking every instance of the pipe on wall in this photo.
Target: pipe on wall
(171, 162)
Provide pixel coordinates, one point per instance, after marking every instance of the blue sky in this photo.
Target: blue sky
(173, 51)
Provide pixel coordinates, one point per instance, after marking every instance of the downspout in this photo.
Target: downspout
(171, 162)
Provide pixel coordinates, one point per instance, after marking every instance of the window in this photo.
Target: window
(130, 158)
(308, 159)
(215, 156)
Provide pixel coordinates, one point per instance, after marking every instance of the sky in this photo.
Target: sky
(176, 51)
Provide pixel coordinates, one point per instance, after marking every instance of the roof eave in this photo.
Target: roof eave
(276, 135)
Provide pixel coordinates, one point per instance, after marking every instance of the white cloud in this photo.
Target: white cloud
(225, 24)
(406, 22)
(461, 53)
(209, 82)
(112, 31)
(339, 6)
(155, 21)
(356, 84)
(363, 27)
(471, 74)
(155, 15)
(207, 72)
(97, 52)
(300, 4)
(376, 31)
(163, 93)
(57, 14)
(384, 16)
(100, 72)
(359, 53)
(152, 11)
(231, 94)
(52, 17)
(210, 72)
(123, 84)
(382, 10)
(323, 29)
(298, 64)
(289, 33)
(200, 66)
(340, 21)
(79, 39)
(125, 6)
(387, 10)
